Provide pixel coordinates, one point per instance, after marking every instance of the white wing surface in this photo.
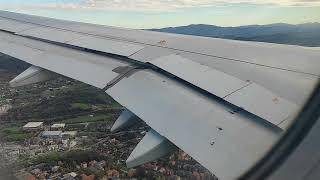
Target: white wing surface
(224, 102)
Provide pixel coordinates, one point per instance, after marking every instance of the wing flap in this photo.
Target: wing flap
(244, 94)
(207, 78)
(210, 134)
(263, 103)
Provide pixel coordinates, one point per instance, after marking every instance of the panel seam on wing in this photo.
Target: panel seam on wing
(237, 90)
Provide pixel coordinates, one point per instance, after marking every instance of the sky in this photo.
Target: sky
(144, 14)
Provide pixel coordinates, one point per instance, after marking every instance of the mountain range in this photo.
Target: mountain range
(307, 34)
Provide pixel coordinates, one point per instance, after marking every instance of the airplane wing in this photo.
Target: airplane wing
(224, 102)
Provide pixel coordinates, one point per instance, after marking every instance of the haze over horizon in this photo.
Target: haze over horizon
(144, 14)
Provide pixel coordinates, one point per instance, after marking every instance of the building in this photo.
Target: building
(69, 134)
(57, 127)
(33, 126)
(51, 134)
(70, 176)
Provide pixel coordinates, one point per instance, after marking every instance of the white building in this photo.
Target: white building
(58, 126)
(33, 126)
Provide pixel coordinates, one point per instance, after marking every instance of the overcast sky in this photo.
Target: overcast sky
(164, 13)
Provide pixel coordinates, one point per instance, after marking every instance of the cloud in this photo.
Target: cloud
(179, 4)
(155, 5)
(147, 4)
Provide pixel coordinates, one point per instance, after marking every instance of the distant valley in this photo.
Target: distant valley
(307, 34)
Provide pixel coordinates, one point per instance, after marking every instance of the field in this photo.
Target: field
(14, 134)
(88, 119)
